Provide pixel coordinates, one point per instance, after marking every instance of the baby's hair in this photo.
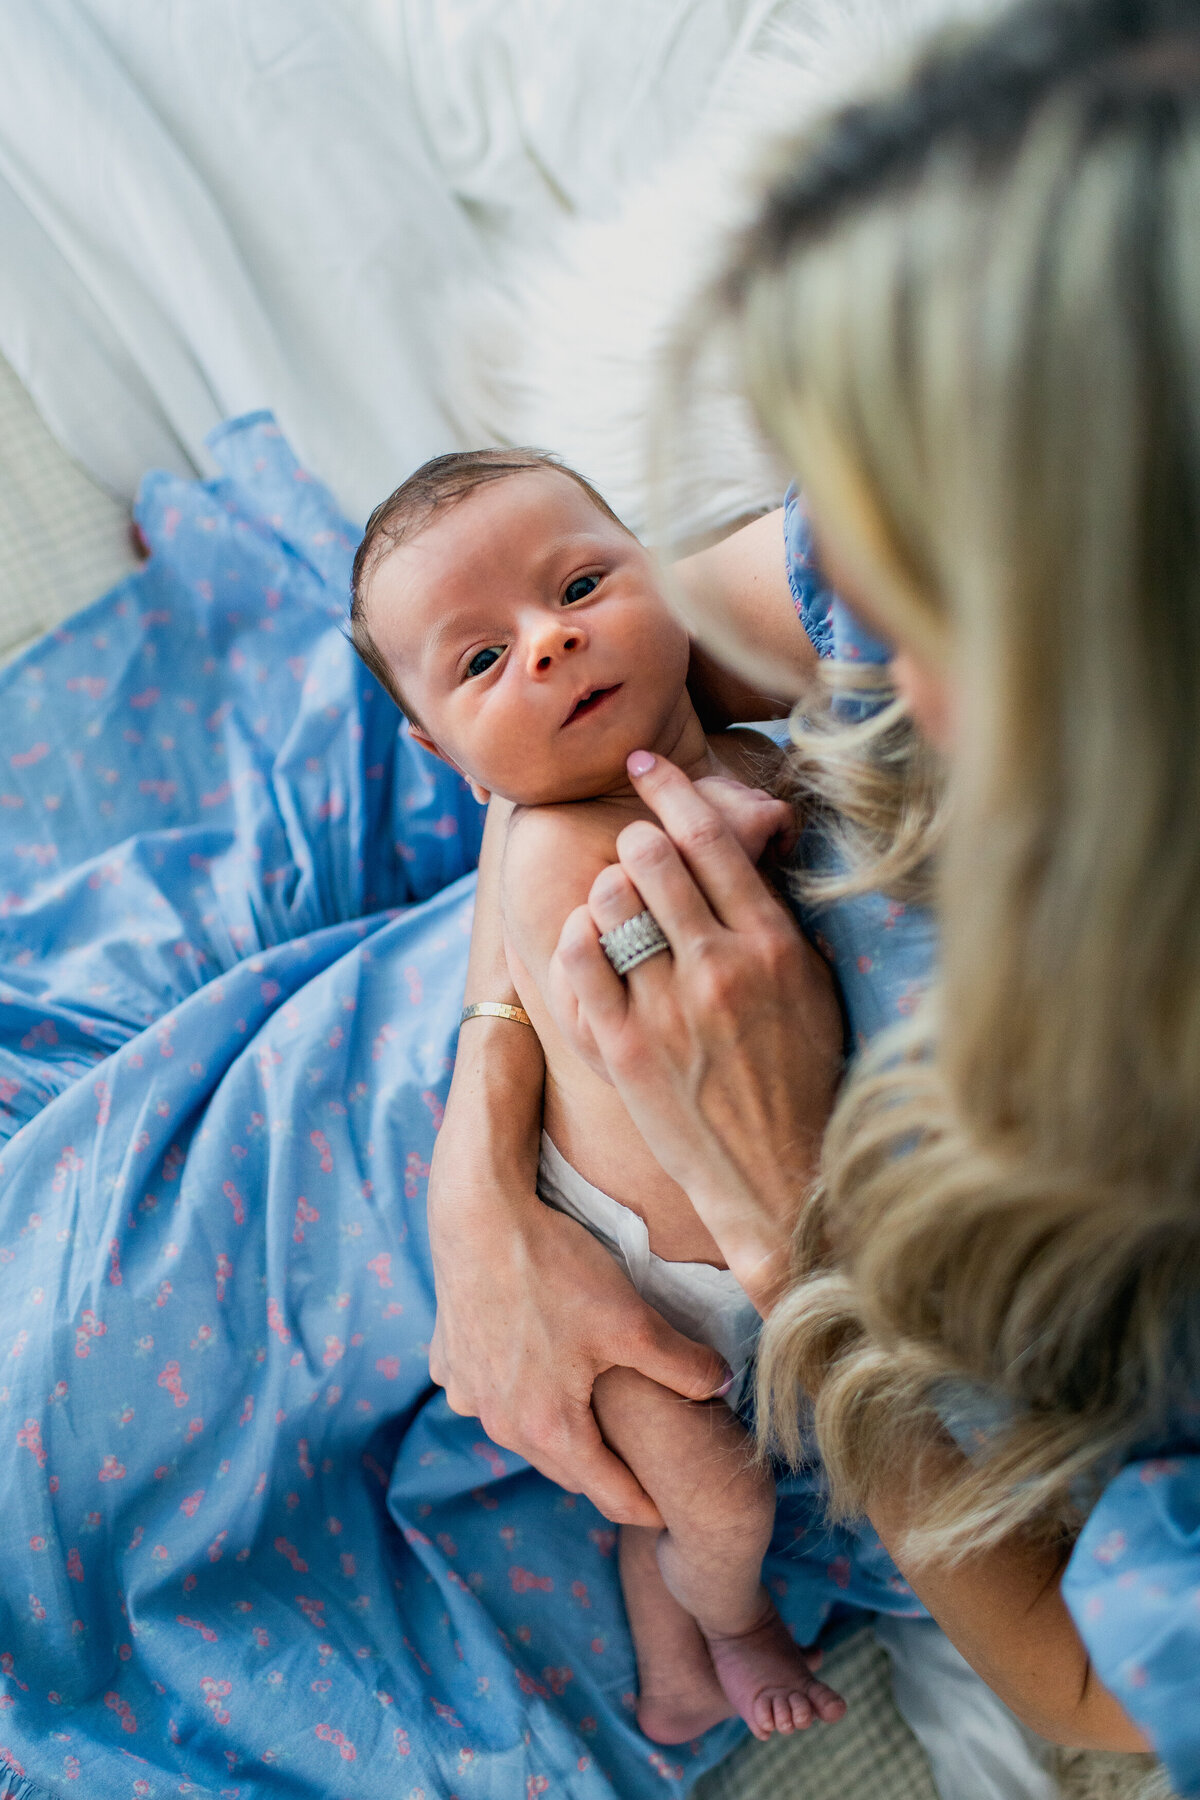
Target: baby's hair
(437, 484)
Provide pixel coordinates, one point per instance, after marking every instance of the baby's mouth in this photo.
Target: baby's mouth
(589, 702)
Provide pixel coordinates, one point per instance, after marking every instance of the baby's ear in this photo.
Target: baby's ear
(426, 742)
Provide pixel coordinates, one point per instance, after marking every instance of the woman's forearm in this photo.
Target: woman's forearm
(493, 1112)
(751, 658)
(1004, 1611)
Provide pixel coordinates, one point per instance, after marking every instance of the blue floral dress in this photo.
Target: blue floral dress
(1133, 1581)
(246, 1549)
(882, 950)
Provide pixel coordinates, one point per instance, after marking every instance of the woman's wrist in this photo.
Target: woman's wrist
(753, 1231)
(485, 1158)
(491, 1130)
(764, 1274)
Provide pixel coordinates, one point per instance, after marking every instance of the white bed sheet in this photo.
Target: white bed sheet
(210, 206)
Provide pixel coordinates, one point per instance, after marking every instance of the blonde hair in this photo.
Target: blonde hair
(967, 315)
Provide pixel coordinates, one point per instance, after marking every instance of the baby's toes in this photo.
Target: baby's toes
(800, 1713)
(828, 1706)
(781, 1706)
(763, 1722)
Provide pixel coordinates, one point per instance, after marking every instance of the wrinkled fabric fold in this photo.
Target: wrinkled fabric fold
(1133, 1587)
(245, 1546)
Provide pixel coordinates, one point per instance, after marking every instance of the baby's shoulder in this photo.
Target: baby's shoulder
(552, 854)
(580, 828)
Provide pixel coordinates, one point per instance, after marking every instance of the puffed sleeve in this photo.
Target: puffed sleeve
(1133, 1588)
(813, 599)
(829, 622)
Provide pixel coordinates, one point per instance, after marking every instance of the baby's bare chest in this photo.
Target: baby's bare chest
(583, 1114)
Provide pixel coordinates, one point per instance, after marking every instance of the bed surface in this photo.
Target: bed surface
(64, 537)
(62, 540)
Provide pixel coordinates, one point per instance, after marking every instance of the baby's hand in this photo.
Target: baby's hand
(757, 820)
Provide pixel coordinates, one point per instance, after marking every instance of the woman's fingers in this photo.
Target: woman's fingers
(677, 1362)
(717, 863)
(588, 999)
(664, 1355)
(563, 1001)
(726, 1052)
(526, 1324)
(613, 899)
(569, 1450)
(582, 1463)
(656, 872)
(756, 819)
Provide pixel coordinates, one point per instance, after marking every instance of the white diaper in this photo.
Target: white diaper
(706, 1304)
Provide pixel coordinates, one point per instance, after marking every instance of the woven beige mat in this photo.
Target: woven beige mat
(869, 1755)
(63, 540)
(872, 1755)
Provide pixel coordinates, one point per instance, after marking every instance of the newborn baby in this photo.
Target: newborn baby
(522, 631)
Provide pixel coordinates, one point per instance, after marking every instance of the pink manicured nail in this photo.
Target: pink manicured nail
(640, 763)
(725, 1387)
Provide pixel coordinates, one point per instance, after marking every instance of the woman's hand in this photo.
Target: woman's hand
(727, 1053)
(761, 824)
(531, 1309)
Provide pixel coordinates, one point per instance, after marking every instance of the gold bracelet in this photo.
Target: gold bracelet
(496, 1009)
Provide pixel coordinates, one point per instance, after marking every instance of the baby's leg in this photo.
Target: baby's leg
(679, 1696)
(718, 1507)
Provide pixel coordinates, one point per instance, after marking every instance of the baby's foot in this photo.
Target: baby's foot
(677, 1715)
(770, 1681)
(679, 1696)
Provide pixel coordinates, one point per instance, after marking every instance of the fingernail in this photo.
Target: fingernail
(640, 763)
(725, 1387)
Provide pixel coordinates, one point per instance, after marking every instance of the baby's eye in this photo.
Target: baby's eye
(579, 589)
(482, 660)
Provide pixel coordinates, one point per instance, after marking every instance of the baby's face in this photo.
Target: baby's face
(527, 632)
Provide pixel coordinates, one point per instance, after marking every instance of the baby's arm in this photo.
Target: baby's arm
(1004, 1610)
(552, 854)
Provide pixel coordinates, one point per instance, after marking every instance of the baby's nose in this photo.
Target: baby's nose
(553, 643)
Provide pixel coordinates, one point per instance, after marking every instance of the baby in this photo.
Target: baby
(522, 631)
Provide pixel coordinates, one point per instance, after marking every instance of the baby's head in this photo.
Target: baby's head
(518, 625)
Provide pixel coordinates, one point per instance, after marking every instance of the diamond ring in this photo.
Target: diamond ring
(634, 942)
